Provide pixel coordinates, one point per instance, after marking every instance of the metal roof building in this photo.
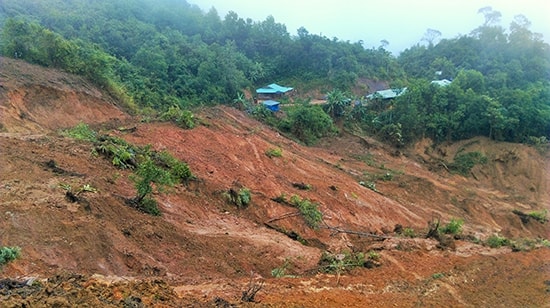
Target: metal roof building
(442, 82)
(273, 89)
(387, 94)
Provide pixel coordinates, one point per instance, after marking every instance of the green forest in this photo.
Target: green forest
(165, 55)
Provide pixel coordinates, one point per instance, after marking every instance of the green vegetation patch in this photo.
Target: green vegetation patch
(81, 132)
(182, 118)
(153, 171)
(274, 152)
(341, 262)
(464, 162)
(309, 210)
(8, 254)
(454, 226)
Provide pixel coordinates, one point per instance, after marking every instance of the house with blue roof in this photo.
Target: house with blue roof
(273, 91)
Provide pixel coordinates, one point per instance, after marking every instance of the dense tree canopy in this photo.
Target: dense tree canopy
(167, 53)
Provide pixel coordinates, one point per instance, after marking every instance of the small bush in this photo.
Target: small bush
(496, 241)
(409, 232)
(453, 227)
(309, 210)
(240, 198)
(463, 163)
(341, 262)
(121, 153)
(274, 152)
(146, 174)
(149, 206)
(540, 216)
(81, 132)
(8, 254)
(179, 170)
(183, 118)
(373, 255)
(244, 197)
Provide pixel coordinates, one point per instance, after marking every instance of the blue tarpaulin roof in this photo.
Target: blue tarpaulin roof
(273, 89)
(271, 105)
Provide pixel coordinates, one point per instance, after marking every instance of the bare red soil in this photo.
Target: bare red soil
(203, 251)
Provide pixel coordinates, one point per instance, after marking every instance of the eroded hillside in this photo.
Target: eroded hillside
(203, 249)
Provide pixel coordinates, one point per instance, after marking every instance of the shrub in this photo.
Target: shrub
(149, 206)
(308, 123)
(8, 254)
(274, 152)
(409, 232)
(81, 132)
(309, 210)
(240, 198)
(463, 163)
(146, 174)
(496, 241)
(183, 118)
(453, 227)
(121, 153)
(539, 216)
(341, 262)
(179, 170)
(373, 255)
(244, 197)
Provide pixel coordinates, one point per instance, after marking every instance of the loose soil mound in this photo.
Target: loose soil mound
(95, 250)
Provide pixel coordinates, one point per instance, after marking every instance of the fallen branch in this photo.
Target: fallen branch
(336, 230)
(287, 215)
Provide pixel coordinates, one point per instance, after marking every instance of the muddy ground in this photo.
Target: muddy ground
(204, 251)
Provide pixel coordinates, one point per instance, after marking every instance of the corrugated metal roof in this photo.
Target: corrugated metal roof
(273, 89)
(442, 82)
(388, 93)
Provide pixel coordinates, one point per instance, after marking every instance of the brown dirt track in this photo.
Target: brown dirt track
(203, 251)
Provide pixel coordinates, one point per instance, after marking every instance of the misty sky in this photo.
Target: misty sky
(402, 23)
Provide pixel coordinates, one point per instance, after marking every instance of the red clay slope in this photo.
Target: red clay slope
(206, 248)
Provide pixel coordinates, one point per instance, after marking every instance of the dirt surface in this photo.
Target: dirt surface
(203, 251)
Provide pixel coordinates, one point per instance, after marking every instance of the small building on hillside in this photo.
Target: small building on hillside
(271, 105)
(387, 94)
(273, 91)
